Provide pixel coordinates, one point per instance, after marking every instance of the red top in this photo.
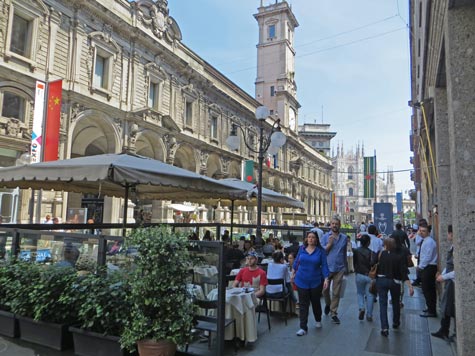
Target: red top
(246, 275)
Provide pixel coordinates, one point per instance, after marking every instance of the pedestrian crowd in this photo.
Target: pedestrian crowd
(317, 270)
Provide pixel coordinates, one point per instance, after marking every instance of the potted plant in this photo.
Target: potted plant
(43, 300)
(8, 322)
(102, 312)
(162, 311)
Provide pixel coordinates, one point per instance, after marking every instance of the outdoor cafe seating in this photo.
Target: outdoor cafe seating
(241, 306)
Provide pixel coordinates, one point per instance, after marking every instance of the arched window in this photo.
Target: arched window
(12, 105)
(350, 192)
(350, 172)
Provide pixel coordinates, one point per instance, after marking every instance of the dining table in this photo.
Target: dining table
(240, 305)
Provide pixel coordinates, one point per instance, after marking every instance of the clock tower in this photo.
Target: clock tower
(275, 82)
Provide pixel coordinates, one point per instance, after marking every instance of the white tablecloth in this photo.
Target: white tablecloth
(207, 271)
(239, 306)
(196, 291)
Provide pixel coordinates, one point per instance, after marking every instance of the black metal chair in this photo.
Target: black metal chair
(210, 323)
(284, 299)
(262, 307)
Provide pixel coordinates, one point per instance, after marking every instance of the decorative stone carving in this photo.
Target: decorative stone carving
(13, 129)
(132, 138)
(76, 109)
(172, 146)
(156, 16)
(204, 155)
(107, 32)
(225, 164)
(295, 166)
(271, 182)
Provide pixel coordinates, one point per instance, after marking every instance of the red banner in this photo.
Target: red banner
(53, 121)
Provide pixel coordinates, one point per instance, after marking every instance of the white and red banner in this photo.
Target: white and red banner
(36, 136)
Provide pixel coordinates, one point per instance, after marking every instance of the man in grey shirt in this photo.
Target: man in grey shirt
(334, 244)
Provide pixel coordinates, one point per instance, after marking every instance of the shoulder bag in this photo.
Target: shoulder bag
(373, 271)
(374, 268)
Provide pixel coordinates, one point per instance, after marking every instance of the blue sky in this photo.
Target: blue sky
(352, 59)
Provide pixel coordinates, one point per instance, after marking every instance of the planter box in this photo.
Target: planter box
(88, 343)
(55, 336)
(8, 324)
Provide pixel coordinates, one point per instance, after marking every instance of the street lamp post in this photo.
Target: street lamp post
(270, 143)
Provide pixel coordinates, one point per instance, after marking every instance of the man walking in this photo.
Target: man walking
(401, 234)
(428, 268)
(376, 244)
(334, 244)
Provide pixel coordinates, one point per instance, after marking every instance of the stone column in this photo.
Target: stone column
(444, 199)
(161, 213)
(460, 56)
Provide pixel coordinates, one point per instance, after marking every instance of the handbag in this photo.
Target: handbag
(373, 271)
(410, 263)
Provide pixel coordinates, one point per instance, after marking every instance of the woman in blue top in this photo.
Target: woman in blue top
(310, 270)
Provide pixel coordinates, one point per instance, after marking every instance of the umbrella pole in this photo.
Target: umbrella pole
(232, 220)
(126, 200)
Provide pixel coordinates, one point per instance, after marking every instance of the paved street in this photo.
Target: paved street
(354, 337)
(351, 337)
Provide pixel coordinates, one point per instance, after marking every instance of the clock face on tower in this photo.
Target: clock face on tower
(292, 119)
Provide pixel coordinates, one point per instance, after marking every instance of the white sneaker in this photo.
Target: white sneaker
(301, 332)
(318, 325)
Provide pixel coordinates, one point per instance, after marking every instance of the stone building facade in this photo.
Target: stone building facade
(348, 185)
(442, 85)
(131, 84)
(318, 136)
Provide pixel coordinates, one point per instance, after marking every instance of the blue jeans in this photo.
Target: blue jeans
(385, 285)
(362, 290)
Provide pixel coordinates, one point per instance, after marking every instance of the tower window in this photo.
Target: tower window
(272, 90)
(272, 31)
